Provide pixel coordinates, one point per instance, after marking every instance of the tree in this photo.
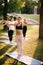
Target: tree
(15, 6)
(41, 21)
(1, 7)
(5, 8)
(28, 7)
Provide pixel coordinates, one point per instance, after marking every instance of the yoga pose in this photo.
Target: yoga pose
(19, 35)
(19, 32)
(11, 28)
(9, 23)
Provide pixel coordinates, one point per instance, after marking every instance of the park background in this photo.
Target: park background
(31, 9)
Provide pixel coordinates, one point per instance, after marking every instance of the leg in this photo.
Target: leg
(19, 43)
(24, 31)
(10, 35)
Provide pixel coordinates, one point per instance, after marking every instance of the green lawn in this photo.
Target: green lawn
(1, 26)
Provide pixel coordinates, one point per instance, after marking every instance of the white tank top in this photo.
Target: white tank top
(11, 27)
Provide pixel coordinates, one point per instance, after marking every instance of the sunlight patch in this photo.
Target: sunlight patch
(5, 34)
(8, 42)
(4, 37)
(27, 38)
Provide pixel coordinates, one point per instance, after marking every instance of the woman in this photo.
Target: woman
(19, 35)
(10, 25)
(24, 28)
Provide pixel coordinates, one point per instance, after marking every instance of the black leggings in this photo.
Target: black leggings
(10, 34)
(24, 30)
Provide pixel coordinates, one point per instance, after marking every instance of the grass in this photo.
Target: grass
(32, 16)
(32, 48)
(1, 26)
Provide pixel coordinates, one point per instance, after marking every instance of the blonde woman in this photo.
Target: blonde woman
(19, 35)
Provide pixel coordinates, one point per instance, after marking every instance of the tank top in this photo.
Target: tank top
(12, 26)
(19, 27)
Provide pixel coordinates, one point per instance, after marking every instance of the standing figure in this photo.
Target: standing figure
(11, 28)
(19, 35)
(24, 28)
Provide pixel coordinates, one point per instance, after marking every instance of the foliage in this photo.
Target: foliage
(28, 7)
(19, 6)
(15, 6)
(1, 1)
(24, 6)
(1, 7)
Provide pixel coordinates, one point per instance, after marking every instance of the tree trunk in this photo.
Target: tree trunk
(5, 13)
(41, 22)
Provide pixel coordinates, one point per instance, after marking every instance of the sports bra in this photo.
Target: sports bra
(19, 27)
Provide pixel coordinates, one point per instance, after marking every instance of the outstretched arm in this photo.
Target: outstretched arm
(1, 22)
(13, 24)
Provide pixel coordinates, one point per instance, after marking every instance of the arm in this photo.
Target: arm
(13, 24)
(28, 23)
(1, 22)
(4, 23)
(24, 23)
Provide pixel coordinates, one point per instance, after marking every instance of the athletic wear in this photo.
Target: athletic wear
(11, 30)
(11, 27)
(19, 40)
(24, 30)
(19, 27)
(10, 34)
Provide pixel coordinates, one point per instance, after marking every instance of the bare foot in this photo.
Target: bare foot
(18, 57)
